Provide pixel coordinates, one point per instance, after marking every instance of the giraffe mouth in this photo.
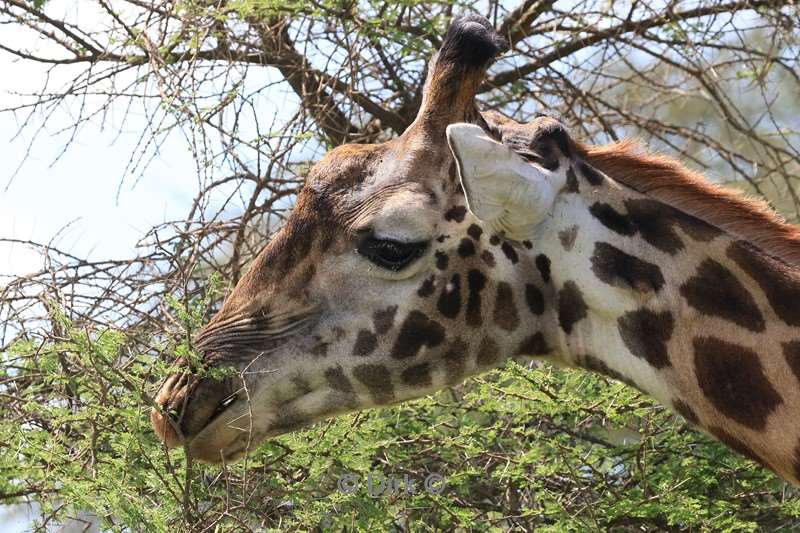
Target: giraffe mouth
(243, 424)
(221, 408)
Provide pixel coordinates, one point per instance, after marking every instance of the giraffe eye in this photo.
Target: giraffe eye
(390, 254)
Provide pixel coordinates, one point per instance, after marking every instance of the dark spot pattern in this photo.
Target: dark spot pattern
(377, 380)
(417, 375)
(337, 380)
(791, 352)
(366, 342)
(533, 345)
(417, 331)
(302, 386)
(383, 320)
(654, 221)
(567, 237)
(715, 291)
(646, 334)
(488, 353)
(488, 258)
(290, 419)
(697, 229)
(527, 244)
(619, 269)
(454, 360)
(427, 288)
(590, 362)
(320, 349)
(475, 231)
(476, 282)
(442, 260)
(571, 307)
(466, 247)
(732, 378)
(534, 298)
(736, 444)
(591, 175)
(683, 409)
(455, 214)
(572, 181)
(449, 303)
(494, 240)
(779, 282)
(543, 266)
(509, 252)
(505, 310)
(612, 219)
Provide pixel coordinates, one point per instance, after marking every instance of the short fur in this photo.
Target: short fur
(667, 180)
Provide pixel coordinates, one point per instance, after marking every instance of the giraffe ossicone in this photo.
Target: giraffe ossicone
(384, 286)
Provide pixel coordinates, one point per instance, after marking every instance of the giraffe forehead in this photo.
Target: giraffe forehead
(403, 211)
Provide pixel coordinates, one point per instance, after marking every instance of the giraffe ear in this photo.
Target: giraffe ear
(502, 189)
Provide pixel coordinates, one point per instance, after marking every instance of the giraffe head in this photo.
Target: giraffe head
(380, 287)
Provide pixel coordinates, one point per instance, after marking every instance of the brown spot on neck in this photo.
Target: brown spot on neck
(505, 309)
(715, 291)
(488, 353)
(449, 303)
(533, 345)
(417, 331)
(732, 378)
(417, 375)
(646, 334)
(567, 237)
(715, 207)
(383, 320)
(571, 307)
(619, 269)
(378, 381)
(366, 342)
(455, 214)
(476, 282)
(509, 252)
(543, 266)
(779, 281)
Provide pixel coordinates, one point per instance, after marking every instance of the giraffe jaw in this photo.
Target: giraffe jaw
(231, 436)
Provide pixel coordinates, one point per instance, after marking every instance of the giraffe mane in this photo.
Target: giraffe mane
(666, 179)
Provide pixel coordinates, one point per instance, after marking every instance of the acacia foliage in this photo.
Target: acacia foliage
(516, 449)
(259, 89)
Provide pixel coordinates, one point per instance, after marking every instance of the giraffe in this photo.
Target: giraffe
(470, 239)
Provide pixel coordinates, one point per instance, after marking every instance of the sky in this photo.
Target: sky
(74, 199)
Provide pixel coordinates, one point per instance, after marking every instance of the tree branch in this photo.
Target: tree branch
(638, 27)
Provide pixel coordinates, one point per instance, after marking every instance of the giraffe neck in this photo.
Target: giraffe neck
(706, 324)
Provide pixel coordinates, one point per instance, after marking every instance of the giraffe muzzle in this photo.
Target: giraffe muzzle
(186, 405)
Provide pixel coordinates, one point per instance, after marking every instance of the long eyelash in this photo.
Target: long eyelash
(371, 248)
